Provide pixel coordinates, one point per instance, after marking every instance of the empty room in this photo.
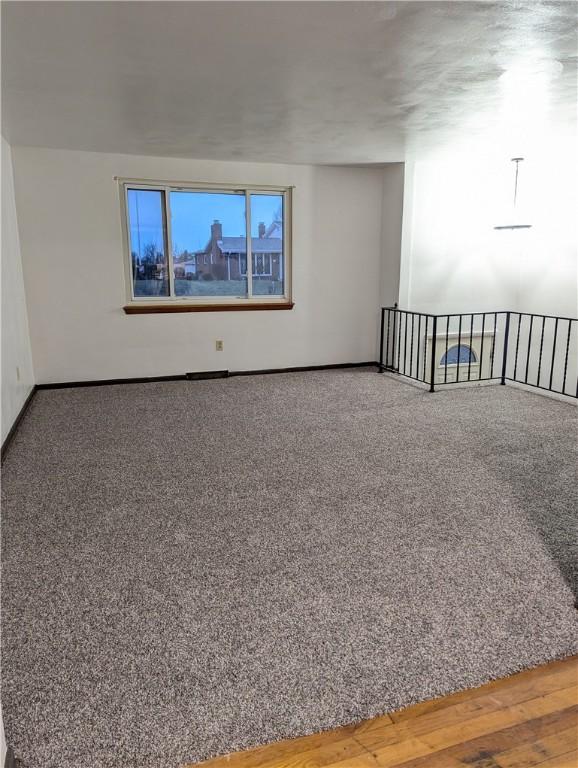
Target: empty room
(289, 384)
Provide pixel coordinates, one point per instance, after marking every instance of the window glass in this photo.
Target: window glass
(267, 244)
(146, 223)
(459, 353)
(190, 242)
(208, 230)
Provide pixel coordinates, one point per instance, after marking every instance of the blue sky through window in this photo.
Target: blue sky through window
(145, 210)
(266, 208)
(192, 214)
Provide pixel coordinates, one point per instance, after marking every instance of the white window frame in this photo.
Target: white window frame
(167, 187)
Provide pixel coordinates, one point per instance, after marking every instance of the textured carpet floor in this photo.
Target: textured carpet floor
(196, 567)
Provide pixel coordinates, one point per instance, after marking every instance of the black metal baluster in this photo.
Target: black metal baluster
(390, 338)
(541, 348)
(425, 347)
(566, 358)
(471, 338)
(529, 348)
(381, 338)
(506, 344)
(394, 340)
(459, 347)
(494, 345)
(388, 346)
(433, 353)
(517, 344)
(446, 357)
(553, 352)
(411, 344)
(417, 348)
(399, 339)
(482, 345)
(405, 345)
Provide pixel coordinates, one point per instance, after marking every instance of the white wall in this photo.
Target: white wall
(452, 257)
(453, 260)
(68, 208)
(391, 233)
(17, 372)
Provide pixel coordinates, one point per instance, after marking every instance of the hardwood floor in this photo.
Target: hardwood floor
(529, 719)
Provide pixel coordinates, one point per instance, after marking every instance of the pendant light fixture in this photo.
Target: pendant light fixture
(516, 160)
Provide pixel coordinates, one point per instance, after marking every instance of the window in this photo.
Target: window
(149, 263)
(188, 245)
(459, 353)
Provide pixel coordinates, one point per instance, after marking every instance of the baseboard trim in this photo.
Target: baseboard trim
(16, 424)
(109, 382)
(11, 761)
(302, 368)
(194, 376)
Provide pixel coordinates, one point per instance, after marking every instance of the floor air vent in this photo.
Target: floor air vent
(195, 376)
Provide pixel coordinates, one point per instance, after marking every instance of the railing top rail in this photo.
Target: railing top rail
(487, 312)
(448, 314)
(547, 317)
(409, 311)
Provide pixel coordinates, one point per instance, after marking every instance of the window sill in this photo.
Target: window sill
(158, 309)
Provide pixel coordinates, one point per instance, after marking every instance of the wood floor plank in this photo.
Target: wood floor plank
(475, 751)
(496, 699)
(376, 723)
(362, 761)
(569, 760)
(310, 747)
(568, 668)
(547, 747)
(441, 738)
(528, 719)
(326, 753)
(337, 752)
(257, 757)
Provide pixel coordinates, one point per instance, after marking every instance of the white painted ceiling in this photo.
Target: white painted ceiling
(319, 82)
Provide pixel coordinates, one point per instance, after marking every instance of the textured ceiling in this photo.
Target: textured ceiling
(321, 82)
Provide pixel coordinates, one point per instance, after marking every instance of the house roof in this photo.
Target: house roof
(258, 245)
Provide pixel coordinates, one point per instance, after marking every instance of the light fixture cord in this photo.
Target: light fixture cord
(517, 161)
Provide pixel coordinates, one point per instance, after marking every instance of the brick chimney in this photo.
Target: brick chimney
(216, 231)
(262, 229)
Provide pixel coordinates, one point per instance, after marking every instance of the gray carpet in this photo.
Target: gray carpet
(196, 567)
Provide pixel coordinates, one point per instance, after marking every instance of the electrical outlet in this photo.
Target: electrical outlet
(219, 345)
